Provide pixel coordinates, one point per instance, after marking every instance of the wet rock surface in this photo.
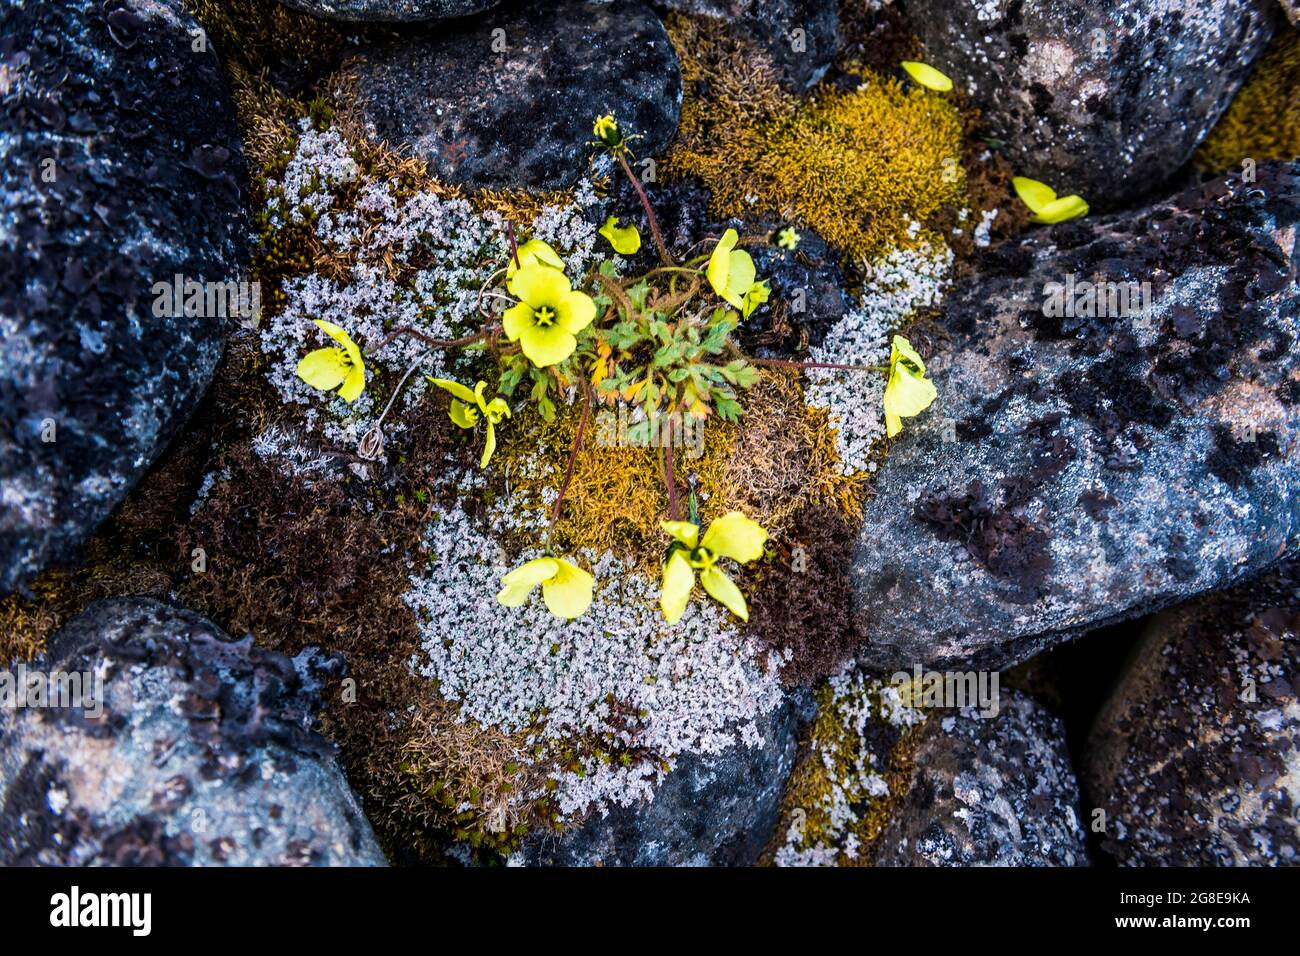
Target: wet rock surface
(1102, 100)
(390, 10)
(1196, 756)
(1080, 469)
(122, 168)
(995, 791)
(712, 810)
(197, 750)
(509, 99)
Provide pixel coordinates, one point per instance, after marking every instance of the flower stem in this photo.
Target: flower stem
(670, 479)
(573, 458)
(436, 343)
(791, 363)
(664, 254)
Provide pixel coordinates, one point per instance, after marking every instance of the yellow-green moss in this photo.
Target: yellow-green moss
(1263, 122)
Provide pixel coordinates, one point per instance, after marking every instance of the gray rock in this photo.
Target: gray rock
(522, 116)
(121, 166)
(711, 810)
(390, 10)
(196, 750)
(799, 36)
(1196, 756)
(1106, 100)
(988, 792)
(1078, 471)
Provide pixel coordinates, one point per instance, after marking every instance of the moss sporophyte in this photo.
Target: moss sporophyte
(661, 344)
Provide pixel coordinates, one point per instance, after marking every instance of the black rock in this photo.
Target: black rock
(1076, 471)
(711, 810)
(1105, 100)
(193, 749)
(995, 791)
(390, 10)
(122, 168)
(1195, 757)
(509, 99)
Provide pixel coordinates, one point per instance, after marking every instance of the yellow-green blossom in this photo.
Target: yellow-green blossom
(331, 368)
(566, 588)
(731, 536)
(730, 271)
(534, 250)
(908, 391)
(607, 131)
(927, 76)
(787, 238)
(467, 408)
(550, 313)
(625, 240)
(1042, 201)
(758, 293)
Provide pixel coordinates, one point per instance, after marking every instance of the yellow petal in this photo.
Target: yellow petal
(354, 384)
(534, 250)
(463, 415)
(626, 240)
(517, 585)
(515, 319)
(460, 391)
(324, 368)
(568, 594)
(927, 76)
(685, 532)
(489, 447)
(1059, 210)
(893, 424)
(908, 392)
(539, 285)
(720, 262)
(736, 536)
(678, 582)
(901, 347)
(740, 276)
(758, 293)
(575, 311)
(547, 346)
(1032, 193)
(724, 589)
(334, 331)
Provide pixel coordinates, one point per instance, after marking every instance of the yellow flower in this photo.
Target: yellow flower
(908, 392)
(566, 588)
(1041, 199)
(731, 270)
(731, 536)
(927, 76)
(787, 238)
(607, 131)
(758, 293)
(626, 241)
(546, 320)
(331, 368)
(467, 407)
(534, 250)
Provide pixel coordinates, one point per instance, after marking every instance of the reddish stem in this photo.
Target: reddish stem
(573, 454)
(435, 343)
(664, 254)
(670, 479)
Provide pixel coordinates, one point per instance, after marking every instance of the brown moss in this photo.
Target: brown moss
(1263, 121)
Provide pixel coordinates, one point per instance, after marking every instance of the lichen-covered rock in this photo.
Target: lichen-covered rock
(712, 810)
(1086, 465)
(1106, 100)
(195, 749)
(798, 36)
(121, 166)
(390, 10)
(988, 792)
(509, 99)
(1195, 759)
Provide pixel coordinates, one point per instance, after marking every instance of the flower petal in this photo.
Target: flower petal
(736, 536)
(489, 447)
(675, 594)
(463, 415)
(684, 531)
(625, 240)
(1059, 210)
(354, 384)
(740, 276)
(724, 589)
(517, 318)
(324, 368)
(575, 311)
(462, 392)
(907, 393)
(720, 262)
(1032, 193)
(927, 76)
(568, 594)
(534, 250)
(893, 424)
(517, 585)
(334, 331)
(538, 285)
(547, 346)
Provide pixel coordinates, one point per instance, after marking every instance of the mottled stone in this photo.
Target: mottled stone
(995, 791)
(1077, 470)
(390, 10)
(1195, 759)
(1106, 100)
(509, 99)
(196, 750)
(711, 810)
(121, 166)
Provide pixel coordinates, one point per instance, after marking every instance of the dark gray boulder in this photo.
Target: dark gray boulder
(1195, 759)
(195, 749)
(122, 168)
(710, 810)
(1079, 469)
(799, 37)
(509, 99)
(390, 10)
(1106, 100)
(996, 791)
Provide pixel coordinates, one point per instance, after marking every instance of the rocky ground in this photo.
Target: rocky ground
(1052, 620)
